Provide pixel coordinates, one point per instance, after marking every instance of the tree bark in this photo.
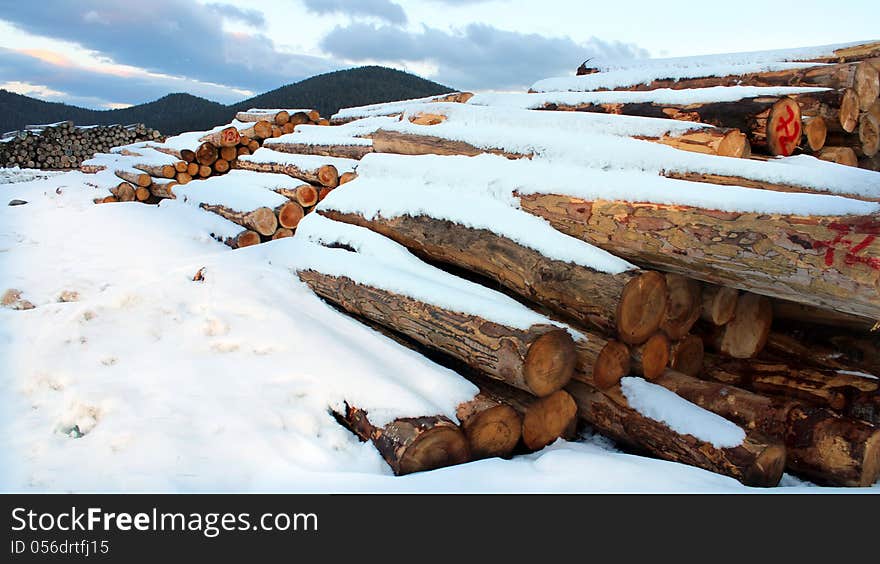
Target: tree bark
(827, 261)
(539, 360)
(342, 151)
(262, 220)
(326, 175)
(412, 444)
(631, 304)
(854, 396)
(755, 462)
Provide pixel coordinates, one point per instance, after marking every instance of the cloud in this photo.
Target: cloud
(53, 77)
(172, 37)
(478, 56)
(244, 15)
(383, 9)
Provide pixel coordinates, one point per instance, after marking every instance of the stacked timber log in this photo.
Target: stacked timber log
(587, 269)
(787, 104)
(63, 145)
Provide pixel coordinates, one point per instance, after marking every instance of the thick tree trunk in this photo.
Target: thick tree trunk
(289, 214)
(684, 305)
(539, 360)
(824, 447)
(261, 220)
(158, 171)
(141, 179)
(755, 462)
(825, 261)
(206, 154)
(412, 444)
(651, 358)
(839, 109)
(243, 239)
(631, 304)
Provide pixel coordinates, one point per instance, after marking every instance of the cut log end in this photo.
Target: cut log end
(849, 110)
(612, 364)
(328, 176)
(247, 239)
(816, 130)
(263, 221)
(652, 357)
(642, 307)
(282, 233)
(686, 355)
(492, 431)
(719, 304)
(767, 468)
(683, 307)
(869, 134)
(290, 214)
(440, 446)
(549, 362)
(840, 155)
(306, 195)
(784, 127)
(735, 144)
(866, 84)
(549, 418)
(746, 335)
(346, 177)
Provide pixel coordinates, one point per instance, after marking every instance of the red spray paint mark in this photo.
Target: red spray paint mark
(841, 243)
(789, 138)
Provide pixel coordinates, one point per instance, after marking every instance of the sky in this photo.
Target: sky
(110, 53)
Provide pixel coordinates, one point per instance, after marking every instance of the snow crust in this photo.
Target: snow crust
(266, 155)
(682, 416)
(240, 190)
(382, 109)
(497, 177)
(472, 205)
(532, 101)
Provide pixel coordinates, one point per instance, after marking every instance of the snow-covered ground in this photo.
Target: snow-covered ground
(150, 381)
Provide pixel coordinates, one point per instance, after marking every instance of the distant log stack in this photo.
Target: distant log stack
(63, 145)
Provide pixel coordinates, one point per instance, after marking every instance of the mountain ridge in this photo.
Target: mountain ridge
(177, 112)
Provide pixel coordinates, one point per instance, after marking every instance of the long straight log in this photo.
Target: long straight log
(755, 462)
(824, 447)
(711, 141)
(329, 150)
(539, 360)
(631, 304)
(828, 261)
(141, 179)
(862, 77)
(326, 175)
(158, 171)
(412, 444)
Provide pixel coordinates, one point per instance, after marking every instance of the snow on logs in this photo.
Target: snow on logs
(753, 460)
(487, 331)
(323, 171)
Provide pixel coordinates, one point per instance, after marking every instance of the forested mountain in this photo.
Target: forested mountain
(184, 112)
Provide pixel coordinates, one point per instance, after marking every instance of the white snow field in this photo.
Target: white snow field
(150, 381)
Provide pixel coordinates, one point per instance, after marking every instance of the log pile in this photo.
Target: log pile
(558, 277)
(838, 123)
(63, 145)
